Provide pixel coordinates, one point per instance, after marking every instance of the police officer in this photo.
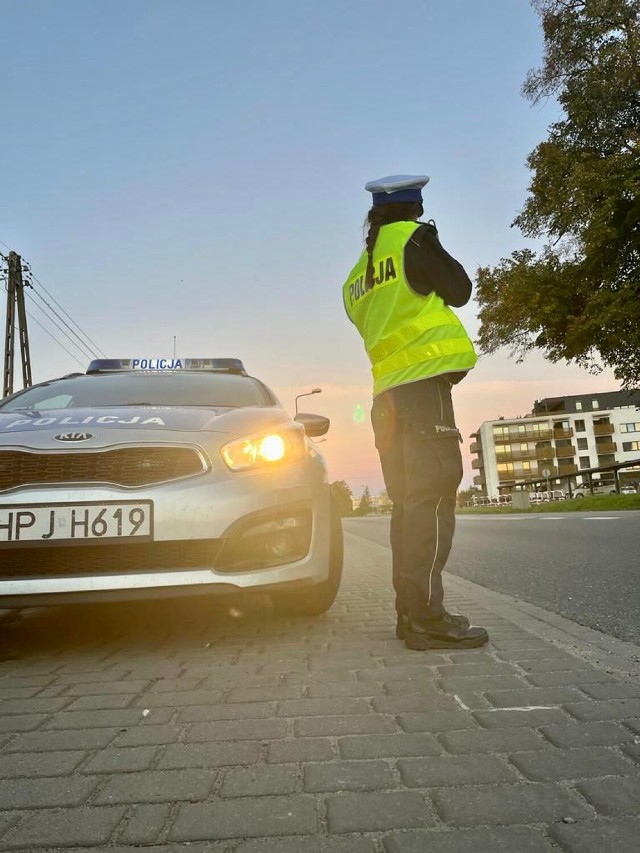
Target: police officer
(398, 296)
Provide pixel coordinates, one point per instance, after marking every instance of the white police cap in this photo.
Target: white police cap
(395, 189)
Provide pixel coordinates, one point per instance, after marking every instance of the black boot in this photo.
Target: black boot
(402, 622)
(445, 633)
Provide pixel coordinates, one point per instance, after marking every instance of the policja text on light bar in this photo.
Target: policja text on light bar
(110, 365)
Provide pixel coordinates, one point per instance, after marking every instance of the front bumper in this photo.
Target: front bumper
(200, 532)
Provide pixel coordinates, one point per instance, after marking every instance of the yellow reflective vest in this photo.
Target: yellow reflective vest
(407, 336)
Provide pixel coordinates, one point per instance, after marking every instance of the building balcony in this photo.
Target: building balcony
(514, 455)
(567, 468)
(475, 447)
(606, 447)
(477, 464)
(479, 480)
(554, 471)
(544, 452)
(606, 460)
(563, 452)
(603, 429)
(563, 433)
(516, 437)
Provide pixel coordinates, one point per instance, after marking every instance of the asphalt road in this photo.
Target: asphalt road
(584, 566)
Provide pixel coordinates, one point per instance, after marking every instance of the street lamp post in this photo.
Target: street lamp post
(307, 394)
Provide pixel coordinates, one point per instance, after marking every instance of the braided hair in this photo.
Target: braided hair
(384, 215)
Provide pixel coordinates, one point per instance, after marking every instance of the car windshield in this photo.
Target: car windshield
(143, 389)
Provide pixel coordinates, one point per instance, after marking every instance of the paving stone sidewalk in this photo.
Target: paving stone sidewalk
(205, 729)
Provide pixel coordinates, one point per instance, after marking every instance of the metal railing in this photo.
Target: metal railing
(608, 447)
(603, 429)
(563, 433)
(527, 435)
(563, 452)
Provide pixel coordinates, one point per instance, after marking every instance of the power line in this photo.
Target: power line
(90, 351)
(87, 345)
(44, 329)
(75, 358)
(66, 313)
(35, 320)
(70, 340)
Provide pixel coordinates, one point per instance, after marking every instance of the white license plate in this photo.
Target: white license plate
(76, 522)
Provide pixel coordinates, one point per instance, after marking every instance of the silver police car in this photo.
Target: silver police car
(163, 477)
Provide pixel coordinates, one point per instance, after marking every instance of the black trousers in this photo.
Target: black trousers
(419, 447)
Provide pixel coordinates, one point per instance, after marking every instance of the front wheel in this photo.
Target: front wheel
(318, 598)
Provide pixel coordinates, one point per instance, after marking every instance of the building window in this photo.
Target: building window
(583, 444)
(584, 462)
(630, 445)
(505, 467)
(578, 406)
(629, 427)
(595, 404)
(579, 426)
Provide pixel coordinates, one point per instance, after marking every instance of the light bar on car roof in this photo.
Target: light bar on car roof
(116, 365)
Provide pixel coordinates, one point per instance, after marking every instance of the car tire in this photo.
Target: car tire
(318, 598)
(579, 495)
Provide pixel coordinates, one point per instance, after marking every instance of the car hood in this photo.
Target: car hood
(133, 423)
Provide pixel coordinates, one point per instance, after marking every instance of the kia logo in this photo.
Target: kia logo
(73, 436)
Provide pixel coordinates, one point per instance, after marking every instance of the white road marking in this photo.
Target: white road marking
(492, 517)
(566, 516)
(511, 517)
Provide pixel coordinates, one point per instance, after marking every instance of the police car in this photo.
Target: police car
(163, 477)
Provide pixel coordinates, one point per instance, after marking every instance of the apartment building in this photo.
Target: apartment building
(561, 437)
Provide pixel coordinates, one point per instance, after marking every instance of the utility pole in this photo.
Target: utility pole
(15, 301)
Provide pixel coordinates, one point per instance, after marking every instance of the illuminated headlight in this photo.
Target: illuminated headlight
(265, 450)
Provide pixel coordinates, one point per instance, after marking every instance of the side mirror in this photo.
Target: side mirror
(314, 425)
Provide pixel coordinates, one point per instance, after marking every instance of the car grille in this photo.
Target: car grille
(126, 466)
(94, 560)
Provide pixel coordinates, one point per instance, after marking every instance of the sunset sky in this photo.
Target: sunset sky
(196, 168)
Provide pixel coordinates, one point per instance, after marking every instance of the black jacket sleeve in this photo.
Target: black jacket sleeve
(429, 267)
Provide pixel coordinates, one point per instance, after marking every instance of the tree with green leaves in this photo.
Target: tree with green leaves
(579, 297)
(365, 506)
(385, 503)
(342, 497)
